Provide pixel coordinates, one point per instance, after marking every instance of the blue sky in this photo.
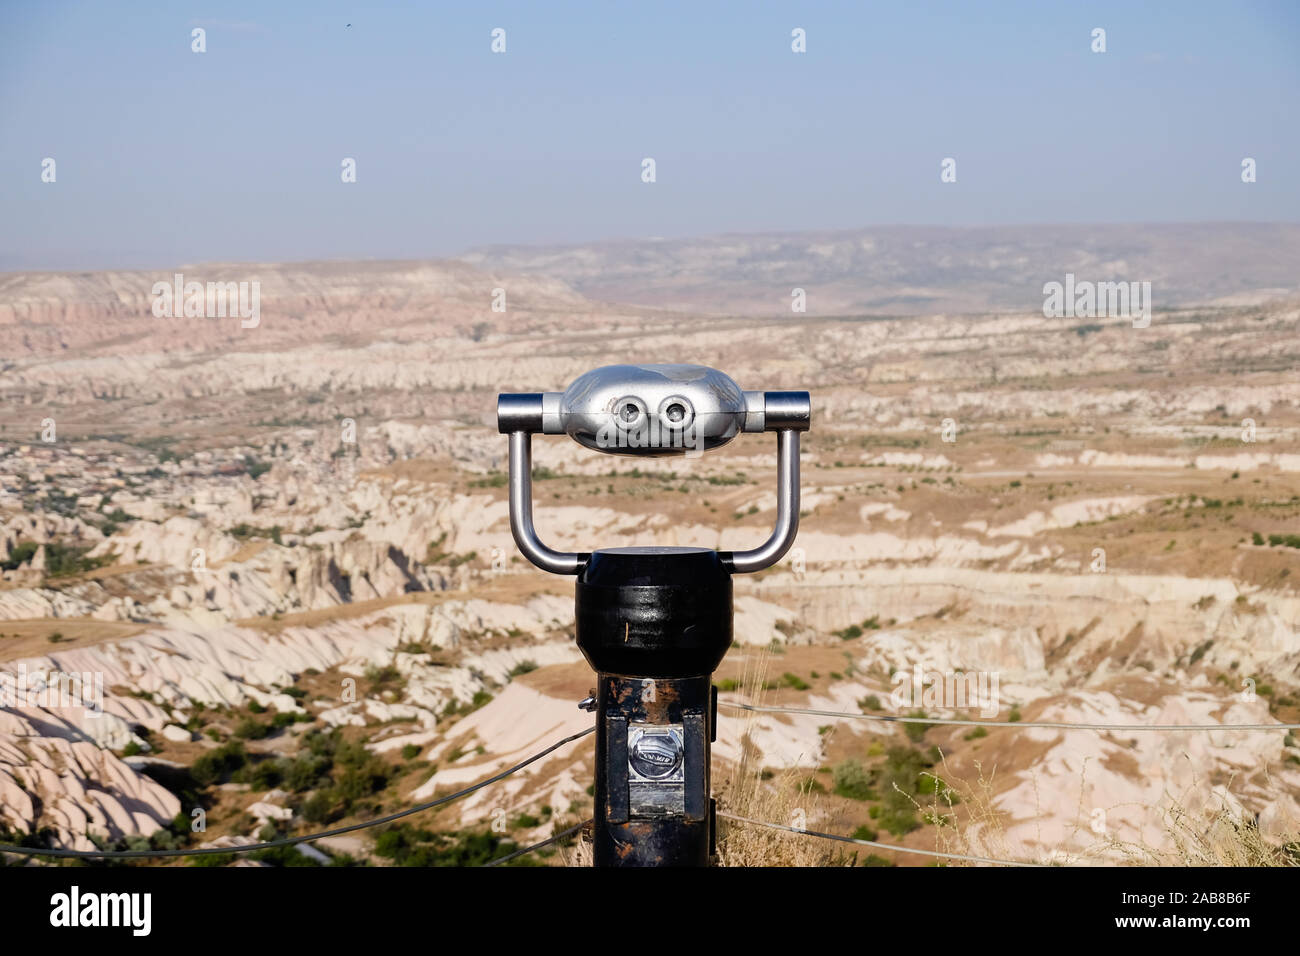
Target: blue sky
(165, 156)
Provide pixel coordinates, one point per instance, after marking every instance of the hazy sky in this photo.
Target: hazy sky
(166, 156)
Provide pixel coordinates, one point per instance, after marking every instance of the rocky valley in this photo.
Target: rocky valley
(284, 552)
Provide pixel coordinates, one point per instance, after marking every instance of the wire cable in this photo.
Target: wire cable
(873, 843)
(290, 841)
(537, 846)
(1046, 724)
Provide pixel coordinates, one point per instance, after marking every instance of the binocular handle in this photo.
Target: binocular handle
(521, 512)
(567, 562)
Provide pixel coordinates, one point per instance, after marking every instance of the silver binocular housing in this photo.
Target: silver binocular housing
(653, 410)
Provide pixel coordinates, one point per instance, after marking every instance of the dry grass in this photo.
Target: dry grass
(966, 821)
(779, 799)
(579, 852)
(1205, 835)
(1215, 834)
(1223, 839)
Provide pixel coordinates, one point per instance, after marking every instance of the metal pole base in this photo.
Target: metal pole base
(653, 623)
(652, 771)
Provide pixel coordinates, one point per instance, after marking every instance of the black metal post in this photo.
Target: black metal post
(654, 623)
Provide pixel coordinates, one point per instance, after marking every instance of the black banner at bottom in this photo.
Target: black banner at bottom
(223, 906)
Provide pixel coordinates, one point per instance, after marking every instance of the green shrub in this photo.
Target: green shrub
(218, 764)
(306, 771)
(793, 680)
(851, 779)
(900, 783)
(523, 667)
(915, 732)
(363, 773)
(61, 560)
(316, 808)
(388, 674)
(407, 845)
(250, 729)
(21, 554)
(262, 775)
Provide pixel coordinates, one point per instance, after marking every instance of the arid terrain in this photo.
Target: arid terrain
(286, 548)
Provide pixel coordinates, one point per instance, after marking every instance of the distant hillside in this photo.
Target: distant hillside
(62, 313)
(920, 269)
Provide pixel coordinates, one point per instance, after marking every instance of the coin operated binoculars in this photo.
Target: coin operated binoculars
(654, 622)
